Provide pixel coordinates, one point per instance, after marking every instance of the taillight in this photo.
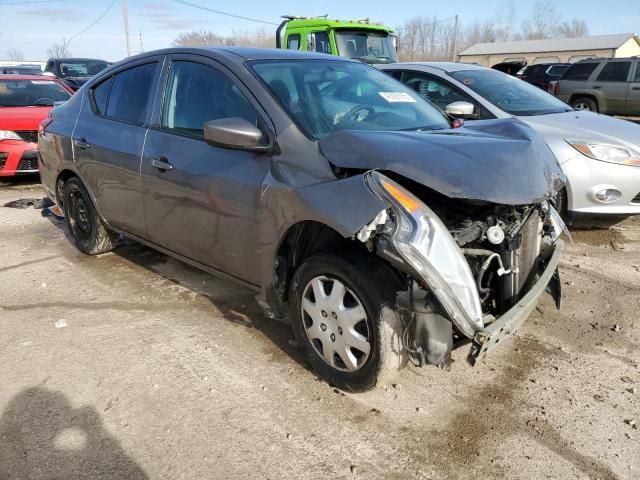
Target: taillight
(554, 87)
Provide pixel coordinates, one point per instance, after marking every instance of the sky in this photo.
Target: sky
(32, 26)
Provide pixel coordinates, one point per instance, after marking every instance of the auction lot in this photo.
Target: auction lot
(133, 365)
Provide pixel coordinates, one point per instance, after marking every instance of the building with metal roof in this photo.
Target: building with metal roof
(553, 49)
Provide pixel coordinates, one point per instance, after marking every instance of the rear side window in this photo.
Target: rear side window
(101, 95)
(293, 42)
(130, 93)
(579, 71)
(197, 93)
(557, 70)
(615, 72)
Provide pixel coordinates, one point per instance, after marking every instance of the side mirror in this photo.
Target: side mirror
(461, 110)
(234, 133)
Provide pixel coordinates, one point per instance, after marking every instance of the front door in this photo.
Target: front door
(202, 201)
(108, 140)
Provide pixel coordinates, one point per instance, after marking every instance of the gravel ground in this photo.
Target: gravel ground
(133, 365)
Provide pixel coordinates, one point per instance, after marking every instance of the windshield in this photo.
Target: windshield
(81, 69)
(510, 94)
(368, 46)
(28, 93)
(323, 97)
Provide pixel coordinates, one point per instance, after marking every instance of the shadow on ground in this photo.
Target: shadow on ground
(42, 437)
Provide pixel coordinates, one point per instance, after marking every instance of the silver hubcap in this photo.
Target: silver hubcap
(581, 106)
(336, 324)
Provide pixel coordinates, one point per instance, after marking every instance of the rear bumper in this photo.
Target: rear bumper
(490, 337)
(18, 158)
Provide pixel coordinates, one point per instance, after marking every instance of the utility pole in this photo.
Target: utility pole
(455, 40)
(141, 47)
(125, 18)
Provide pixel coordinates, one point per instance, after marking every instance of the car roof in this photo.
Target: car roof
(77, 59)
(28, 77)
(444, 66)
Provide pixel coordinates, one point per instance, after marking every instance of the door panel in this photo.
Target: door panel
(107, 151)
(205, 206)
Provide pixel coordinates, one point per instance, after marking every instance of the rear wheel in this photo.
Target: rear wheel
(344, 321)
(585, 103)
(85, 226)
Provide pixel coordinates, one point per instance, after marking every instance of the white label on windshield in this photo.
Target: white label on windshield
(394, 97)
(43, 82)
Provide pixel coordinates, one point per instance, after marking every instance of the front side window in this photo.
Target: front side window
(130, 93)
(30, 93)
(579, 71)
(510, 94)
(293, 42)
(196, 94)
(320, 42)
(615, 72)
(371, 47)
(324, 96)
(436, 91)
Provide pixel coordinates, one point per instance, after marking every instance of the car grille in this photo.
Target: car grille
(636, 199)
(28, 135)
(28, 161)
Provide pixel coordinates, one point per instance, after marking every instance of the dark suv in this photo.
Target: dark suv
(610, 86)
(541, 74)
(348, 202)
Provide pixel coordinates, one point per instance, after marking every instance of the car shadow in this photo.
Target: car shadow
(43, 436)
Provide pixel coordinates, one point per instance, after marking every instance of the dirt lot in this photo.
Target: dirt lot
(132, 365)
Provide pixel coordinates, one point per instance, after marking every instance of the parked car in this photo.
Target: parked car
(20, 70)
(599, 155)
(540, 74)
(24, 102)
(510, 67)
(610, 86)
(341, 196)
(75, 71)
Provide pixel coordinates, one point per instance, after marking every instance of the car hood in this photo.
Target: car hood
(499, 161)
(22, 118)
(582, 125)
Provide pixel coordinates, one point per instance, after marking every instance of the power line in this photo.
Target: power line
(220, 12)
(28, 2)
(93, 24)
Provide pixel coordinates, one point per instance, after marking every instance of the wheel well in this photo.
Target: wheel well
(583, 95)
(301, 241)
(63, 177)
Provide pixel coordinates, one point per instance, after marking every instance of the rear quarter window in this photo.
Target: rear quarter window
(579, 71)
(101, 95)
(615, 72)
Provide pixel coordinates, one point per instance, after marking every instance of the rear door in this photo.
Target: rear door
(202, 201)
(633, 98)
(108, 140)
(613, 81)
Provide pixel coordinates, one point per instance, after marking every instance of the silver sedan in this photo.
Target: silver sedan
(600, 155)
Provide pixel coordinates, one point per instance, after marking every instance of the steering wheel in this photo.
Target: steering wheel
(44, 101)
(352, 113)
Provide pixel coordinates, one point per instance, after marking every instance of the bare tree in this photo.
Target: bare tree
(573, 28)
(59, 50)
(200, 38)
(543, 22)
(15, 55)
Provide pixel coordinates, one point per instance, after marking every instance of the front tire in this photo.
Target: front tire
(87, 230)
(343, 319)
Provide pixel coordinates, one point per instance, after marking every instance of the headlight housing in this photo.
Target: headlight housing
(604, 152)
(425, 244)
(9, 135)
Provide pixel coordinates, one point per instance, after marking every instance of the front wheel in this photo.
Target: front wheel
(87, 230)
(343, 319)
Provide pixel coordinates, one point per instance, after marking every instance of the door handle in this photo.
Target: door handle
(635, 88)
(81, 143)
(597, 87)
(161, 164)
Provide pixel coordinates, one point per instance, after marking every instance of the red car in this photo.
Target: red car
(25, 100)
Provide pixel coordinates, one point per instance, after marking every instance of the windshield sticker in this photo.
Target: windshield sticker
(43, 82)
(395, 97)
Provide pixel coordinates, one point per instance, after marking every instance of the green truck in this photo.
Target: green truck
(360, 39)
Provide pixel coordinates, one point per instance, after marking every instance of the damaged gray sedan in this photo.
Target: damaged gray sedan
(349, 203)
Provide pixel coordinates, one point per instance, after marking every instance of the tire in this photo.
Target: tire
(585, 103)
(87, 230)
(369, 289)
(560, 202)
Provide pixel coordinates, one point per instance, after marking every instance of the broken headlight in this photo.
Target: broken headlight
(425, 244)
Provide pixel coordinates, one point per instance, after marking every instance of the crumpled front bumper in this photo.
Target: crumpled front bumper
(490, 337)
